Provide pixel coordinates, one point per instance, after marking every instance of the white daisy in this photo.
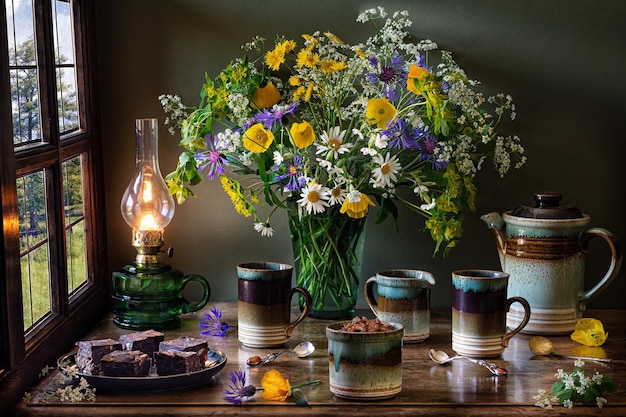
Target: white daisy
(314, 198)
(337, 196)
(264, 228)
(385, 174)
(332, 143)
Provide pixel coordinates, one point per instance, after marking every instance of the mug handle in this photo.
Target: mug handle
(308, 302)
(614, 267)
(188, 307)
(369, 295)
(526, 306)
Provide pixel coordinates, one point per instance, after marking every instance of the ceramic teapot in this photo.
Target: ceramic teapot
(543, 249)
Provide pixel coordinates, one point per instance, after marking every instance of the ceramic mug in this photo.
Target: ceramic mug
(479, 307)
(362, 365)
(264, 304)
(403, 297)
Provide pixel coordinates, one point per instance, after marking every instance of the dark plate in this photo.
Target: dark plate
(151, 382)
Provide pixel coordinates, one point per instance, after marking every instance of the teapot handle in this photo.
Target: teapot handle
(614, 267)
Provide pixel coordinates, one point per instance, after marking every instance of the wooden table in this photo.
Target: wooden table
(458, 388)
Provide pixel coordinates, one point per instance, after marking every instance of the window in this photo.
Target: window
(50, 173)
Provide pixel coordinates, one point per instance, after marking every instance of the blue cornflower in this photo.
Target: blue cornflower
(401, 135)
(212, 159)
(213, 325)
(296, 179)
(271, 117)
(393, 76)
(237, 390)
(427, 143)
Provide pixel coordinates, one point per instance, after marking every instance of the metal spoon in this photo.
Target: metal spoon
(442, 357)
(542, 346)
(301, 350)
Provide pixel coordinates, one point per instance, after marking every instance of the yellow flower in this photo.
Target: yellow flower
(274, 58)
(417, 75)
(275, 387)
(329, 66)
(288, 45)
(380, 112)
(333, 38)
(309, 92)
(306, 58)
(294, 80)
(257, 139)
(357, 209)
(297, 95)
(234, 191)
(264, 97)
(302, 134)
(589, 332)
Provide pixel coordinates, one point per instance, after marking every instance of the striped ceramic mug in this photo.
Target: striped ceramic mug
(403, 297)
(264, 304)
(479, 307)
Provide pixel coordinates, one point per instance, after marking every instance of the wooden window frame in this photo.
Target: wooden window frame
(22, 357)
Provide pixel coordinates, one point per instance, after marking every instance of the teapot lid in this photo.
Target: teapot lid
(547, 206)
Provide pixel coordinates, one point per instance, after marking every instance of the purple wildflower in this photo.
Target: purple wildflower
(271, 117)
(427, 143)
(213, 325)
(237, 389)
(393, 76)
(211, 160)
(401, 135)
(296, 179)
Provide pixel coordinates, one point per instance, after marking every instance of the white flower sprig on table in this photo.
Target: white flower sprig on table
(575, 387)
(62, 388)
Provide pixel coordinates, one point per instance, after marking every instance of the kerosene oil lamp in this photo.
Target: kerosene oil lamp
(147, 294)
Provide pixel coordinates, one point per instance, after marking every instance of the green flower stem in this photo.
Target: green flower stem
(327, 255)
(314, 382)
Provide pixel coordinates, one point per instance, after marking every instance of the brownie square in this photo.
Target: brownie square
(90, 353)
(125, 363)
(186, 344)
(146, 341)
(174, 362)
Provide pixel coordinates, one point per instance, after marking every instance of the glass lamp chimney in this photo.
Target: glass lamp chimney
(147, 205)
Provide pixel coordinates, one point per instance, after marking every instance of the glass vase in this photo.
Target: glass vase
(328, 253)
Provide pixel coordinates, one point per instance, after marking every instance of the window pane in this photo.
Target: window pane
(20, 29)
(23, 72)
(74, 223)
(33, 248)
(65, 67)
(25, 103)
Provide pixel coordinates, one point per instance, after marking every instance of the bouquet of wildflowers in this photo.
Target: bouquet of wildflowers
(335, 129)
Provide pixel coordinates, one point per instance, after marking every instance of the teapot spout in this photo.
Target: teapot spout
(495, 222)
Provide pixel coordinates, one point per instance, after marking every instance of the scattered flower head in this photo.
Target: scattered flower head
(589, 332)
(237, 391)
(274, 387)
(212, 324)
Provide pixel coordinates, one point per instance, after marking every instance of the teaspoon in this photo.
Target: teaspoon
(542, 346)
(301, 350)
(442, 357)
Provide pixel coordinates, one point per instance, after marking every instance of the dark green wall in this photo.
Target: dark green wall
(562, 60)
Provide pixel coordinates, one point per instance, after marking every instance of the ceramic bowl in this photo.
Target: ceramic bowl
(365, 366)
